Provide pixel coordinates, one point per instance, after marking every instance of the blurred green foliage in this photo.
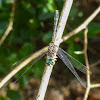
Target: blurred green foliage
(32, 30)
(14, 95)
(3, 98)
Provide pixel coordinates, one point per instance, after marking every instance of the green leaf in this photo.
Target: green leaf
(93, 29)
(26, 49)
(74, 12)
(14, 95)
(24, 80)
(59, 4)
(3, 70)
(12, 58)
(3, 26)
(4, 16)
(44, 13)
(50, 5)
(38, 68)
(28, 7)
(47, 37)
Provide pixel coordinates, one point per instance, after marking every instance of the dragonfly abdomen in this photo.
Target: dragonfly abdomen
(50, 61)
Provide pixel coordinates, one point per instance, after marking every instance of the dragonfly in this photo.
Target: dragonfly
(68, 60)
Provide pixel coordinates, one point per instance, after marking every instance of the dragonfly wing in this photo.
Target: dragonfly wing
(18, 62)
(67, 62)
(78, 65)
(34, 61)
(39, 53)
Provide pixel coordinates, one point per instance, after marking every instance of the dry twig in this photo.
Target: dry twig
(60, 29)
(95, 64)
(10, 25)
(87, 63)
(89, 85)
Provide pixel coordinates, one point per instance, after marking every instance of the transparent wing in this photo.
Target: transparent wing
(18, 62)
(34, 61)
(39, 53)
(61, 54)
(78, 65)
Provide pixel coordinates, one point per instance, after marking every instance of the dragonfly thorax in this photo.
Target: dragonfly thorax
(52, 48)
(51, 55)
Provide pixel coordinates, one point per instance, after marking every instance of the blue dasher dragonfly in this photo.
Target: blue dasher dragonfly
(68, 60)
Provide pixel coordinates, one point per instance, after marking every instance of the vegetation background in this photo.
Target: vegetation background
(32, 30)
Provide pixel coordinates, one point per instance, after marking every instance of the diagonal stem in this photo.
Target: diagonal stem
(86, 93)
(60, 29)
